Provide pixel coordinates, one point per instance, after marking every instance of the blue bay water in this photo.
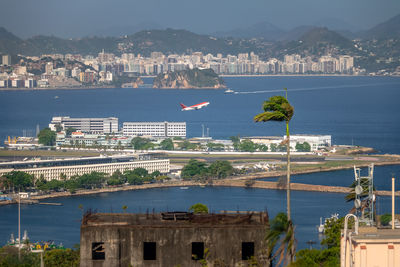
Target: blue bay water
(382, 177)
(359, 110)
(62, 223)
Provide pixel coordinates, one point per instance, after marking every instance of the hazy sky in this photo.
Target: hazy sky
(72, 18)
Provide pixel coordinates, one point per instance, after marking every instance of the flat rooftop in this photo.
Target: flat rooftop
(174, 219)
(374, 234)
(66, 162)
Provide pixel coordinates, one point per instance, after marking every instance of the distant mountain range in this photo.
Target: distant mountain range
(389, 29)
(270, 32)
(264, 39)
(144, 42)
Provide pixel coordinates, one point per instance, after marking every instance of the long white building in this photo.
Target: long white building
(155, 129)
(316, 141)
(50, 173)
(86, 125)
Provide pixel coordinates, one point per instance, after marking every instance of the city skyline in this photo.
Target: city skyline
(94, 17)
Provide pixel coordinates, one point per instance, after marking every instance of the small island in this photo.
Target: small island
(191, 78)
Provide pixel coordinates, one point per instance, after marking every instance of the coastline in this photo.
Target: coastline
(221, 75)
(236, 181)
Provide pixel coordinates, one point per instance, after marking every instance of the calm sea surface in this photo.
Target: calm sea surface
(358, 110)
(354, 110)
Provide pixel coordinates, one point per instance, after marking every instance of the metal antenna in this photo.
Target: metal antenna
(364, 195)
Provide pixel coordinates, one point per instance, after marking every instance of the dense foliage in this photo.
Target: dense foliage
(16, 180)
(167, 144)
(55, 257)
(198, 208)
(47, 137)
(247, 145)
(21, 180)
(386, 218)
(330, 254)
(304, 147)
(140, 143)
(195, 169)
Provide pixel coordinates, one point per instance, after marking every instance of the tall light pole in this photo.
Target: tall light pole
(19, 225)
(393, 203)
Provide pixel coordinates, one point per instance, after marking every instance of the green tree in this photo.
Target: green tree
(114, 181)
(280, 239)
(186, 145)
(141, 172)
(304, 147)
(236, 142)
(117, 175)
(69, 131)
(62, 258)
(262, 147)
(199, 208)
(9, 257)
(47, 137)
(91, 180)
(167, 144)
(274, 147)
(247, 145)
(155, 174)
(19, 180)
(215, 147)
(386, 218)
(140, 143)
(220, 169)
(278, 108)
(193, 169)
(134, 179)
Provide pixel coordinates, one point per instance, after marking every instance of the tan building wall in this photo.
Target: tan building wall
(372, 248)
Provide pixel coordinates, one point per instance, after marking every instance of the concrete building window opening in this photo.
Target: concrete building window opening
(149, 251)
(197, 251)
(247, 250)
(98, 251)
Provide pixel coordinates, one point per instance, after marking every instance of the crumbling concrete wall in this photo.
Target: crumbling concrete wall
(124, 244)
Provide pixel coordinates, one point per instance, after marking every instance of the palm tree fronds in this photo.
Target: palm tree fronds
(269, 116)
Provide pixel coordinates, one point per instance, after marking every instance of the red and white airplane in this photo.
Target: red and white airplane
(195, 107)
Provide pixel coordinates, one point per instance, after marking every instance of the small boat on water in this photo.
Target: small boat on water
(229, 91)
(321, 226)
(184, 187)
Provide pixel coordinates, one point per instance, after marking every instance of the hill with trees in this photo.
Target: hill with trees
(191, 78)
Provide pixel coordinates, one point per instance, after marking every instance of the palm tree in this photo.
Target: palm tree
(281, 233)
(278, 108)
(124, 208)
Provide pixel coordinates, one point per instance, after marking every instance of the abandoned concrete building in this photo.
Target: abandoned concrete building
(173, 239)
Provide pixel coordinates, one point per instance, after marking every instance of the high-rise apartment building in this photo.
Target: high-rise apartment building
(6, 59)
